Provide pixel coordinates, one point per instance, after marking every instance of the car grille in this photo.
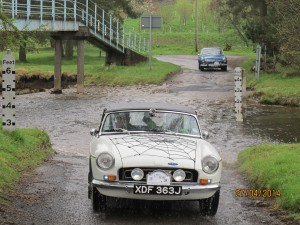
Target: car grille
(125, 174)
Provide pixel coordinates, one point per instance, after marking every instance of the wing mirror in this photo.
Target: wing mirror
(94, 132)
(205, 134)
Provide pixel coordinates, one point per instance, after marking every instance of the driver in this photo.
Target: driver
(122, 120)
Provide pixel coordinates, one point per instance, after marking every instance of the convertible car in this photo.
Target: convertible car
(152, 151)
(212, 58)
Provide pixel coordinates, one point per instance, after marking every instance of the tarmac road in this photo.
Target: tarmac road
(56, 193)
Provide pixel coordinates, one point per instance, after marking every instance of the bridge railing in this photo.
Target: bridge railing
(80, 13)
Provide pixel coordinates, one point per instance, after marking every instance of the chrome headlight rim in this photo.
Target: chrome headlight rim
(138, 172)
(179, 175)
(112, 158)
(210, 164)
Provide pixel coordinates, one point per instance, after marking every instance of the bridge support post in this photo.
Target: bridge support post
(57, 67)
(80, 66)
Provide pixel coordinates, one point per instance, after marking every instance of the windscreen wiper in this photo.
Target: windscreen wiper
(118, 129)
(161, 130)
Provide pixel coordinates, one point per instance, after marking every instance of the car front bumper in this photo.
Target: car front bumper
(212, 64)
(190, 191)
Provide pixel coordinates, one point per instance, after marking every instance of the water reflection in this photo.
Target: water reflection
(277, 123)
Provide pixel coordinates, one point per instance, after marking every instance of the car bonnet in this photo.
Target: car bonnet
(156, 150)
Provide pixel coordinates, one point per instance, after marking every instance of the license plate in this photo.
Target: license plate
(215, 64)
(157, 190)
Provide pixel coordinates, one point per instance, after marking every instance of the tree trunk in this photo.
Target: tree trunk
(22, 53)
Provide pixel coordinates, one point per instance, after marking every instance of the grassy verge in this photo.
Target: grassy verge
(276, 88)
(20, 151)
(275, 167)
(138, 74)
(40, 65)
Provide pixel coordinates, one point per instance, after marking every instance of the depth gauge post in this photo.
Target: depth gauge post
(8, 92)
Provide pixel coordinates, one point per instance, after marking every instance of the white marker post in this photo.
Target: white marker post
(238, 93)
(8, 92)
(257, 64)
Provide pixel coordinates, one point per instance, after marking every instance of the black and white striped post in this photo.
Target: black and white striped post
(239, 93)
(8, 92)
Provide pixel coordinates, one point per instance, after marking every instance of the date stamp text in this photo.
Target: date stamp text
(257, 193)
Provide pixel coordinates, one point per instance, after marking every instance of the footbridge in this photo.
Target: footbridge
(78, 20)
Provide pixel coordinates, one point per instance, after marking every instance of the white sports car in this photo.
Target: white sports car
(153, 151)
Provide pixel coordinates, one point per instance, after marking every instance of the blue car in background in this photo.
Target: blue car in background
(212, 58)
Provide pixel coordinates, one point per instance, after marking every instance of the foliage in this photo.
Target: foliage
(276, 88)
(274, 167)
(146, 6)
(287, 29)
(175, 38)
(138, 74)
(167, 13)
(20, 151)
(271, 23)
(9, 34)
(185, 10)
(228, 16)
(118, 8)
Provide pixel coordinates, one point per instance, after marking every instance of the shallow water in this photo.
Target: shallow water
(68, 118)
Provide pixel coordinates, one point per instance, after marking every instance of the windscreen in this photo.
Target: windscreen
(211, 51)
(144, 121)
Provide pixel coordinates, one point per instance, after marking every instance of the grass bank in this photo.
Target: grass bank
(275, 167)
(138, 74)
(40, 66)
(20, 151)
(274, 88)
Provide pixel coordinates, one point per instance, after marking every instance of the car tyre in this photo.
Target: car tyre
(98, 200)
(224, 68)
(209, 206)
(201, 68)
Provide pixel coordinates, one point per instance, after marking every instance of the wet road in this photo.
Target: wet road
(57, 193)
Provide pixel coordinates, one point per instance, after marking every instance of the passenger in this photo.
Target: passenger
(147, 120)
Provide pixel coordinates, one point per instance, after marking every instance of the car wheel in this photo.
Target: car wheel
(90, 178)
(224, 68)
(209, 206)
(98, 200)
(201, 68)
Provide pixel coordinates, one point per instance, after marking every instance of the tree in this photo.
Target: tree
(253, 21)
(119, 8)
(185, 10)
(10, 35)
(287, 28)
(167, 13)
(229, 16)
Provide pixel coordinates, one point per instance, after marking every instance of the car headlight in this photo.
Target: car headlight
(179, 175)
(105, 161)
(210, 164)
(137, 174)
